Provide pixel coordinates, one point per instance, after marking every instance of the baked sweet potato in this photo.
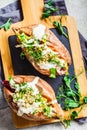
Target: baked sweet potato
(43, 50)
(32, 98)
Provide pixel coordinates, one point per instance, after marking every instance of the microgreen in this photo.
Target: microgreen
(6, 25)
(48, 9)
(70, 97)
(22, 55)
(85, 99)
(74, 115)
(52, 73)
(59, 27)
(66, 123)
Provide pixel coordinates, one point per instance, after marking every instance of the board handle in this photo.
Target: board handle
(32, 11)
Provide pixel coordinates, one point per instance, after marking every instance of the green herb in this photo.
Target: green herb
(60, 28)
(7, 25)
(52, 73)
(36, 53)
(23, 37)
(22, 56)
(70, 103)
(85, 99)
(48, 9)
(74, 115)
(34, 112)
(70, 97)
(66, 123)
(46, 111)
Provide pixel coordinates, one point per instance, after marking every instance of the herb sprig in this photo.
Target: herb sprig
(59, 27)
(69, 96)
(48, 9)
(6, 25)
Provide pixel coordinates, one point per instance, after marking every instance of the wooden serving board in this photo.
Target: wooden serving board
(32, 15)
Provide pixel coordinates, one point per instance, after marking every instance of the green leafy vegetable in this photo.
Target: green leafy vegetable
(7, 25)
(67, 123)
(36, 53)
(70, 103)
(52, 73)
(23, 37)
(48, 9)
(70, 97)
(22, 55)
(85, 99)
(60, 28)
(74, 115)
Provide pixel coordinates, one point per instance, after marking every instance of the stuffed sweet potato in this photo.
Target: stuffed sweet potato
(32, 98)
(43, 50)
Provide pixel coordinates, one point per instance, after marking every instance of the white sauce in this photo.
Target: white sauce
(33, 84)
(54, 101)
(31, 40)
(28, 110)
(12, 82)
(35, 105)
(39, 31)
(46, 65)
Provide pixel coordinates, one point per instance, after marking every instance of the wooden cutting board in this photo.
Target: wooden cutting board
(32, 11)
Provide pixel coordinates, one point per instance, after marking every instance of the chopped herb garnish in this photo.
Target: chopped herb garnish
(52, 73)
(6, 25)
(48, 9)
(22, 55)
(36, 53)
(60, 28)
(23, 37)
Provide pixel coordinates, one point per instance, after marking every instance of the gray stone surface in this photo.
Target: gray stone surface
(78, 9)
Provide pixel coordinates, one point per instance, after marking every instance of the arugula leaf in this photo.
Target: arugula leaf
(67, 81)
(78, 89)
(7, 25)
(67, 123)
(70, 93)
(60, 28)
(46, 14)
(70, 103)
(69, 97)
(51, 8)
(85, 99)
(48, 9)
(74, 115)
(52, 73)
(50, 2)
(22, 55)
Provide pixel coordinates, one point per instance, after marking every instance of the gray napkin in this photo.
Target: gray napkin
(12, 11)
